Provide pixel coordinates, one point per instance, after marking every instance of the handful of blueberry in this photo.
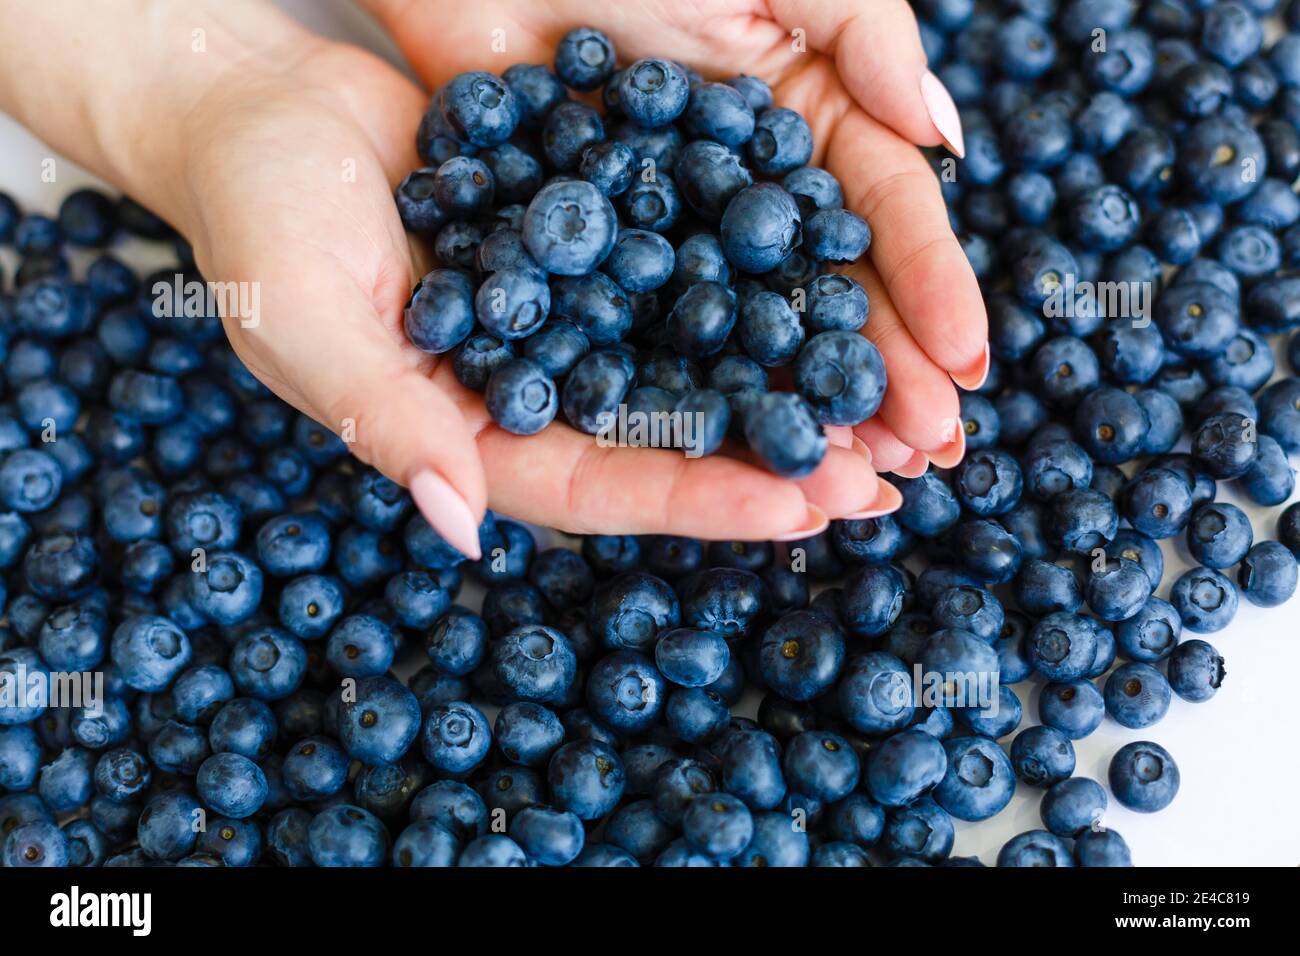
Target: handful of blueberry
(655, 261)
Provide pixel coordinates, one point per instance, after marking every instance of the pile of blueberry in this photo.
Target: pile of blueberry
(247, 593)
(712, 269)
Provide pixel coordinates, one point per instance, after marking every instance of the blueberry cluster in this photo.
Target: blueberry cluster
(658, 258)
(1127, 201)
(245, 593)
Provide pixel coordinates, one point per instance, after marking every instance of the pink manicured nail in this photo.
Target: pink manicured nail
(862, 448)
(888, 500)
(974, 379)
(943, 112)
(815, 523)
(447, 512)
(951, 455)
(914, 467)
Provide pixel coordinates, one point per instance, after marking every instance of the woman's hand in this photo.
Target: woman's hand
(275, 153)
(291, 174)
(857, 72)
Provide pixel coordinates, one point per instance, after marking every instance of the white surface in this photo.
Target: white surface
(1237, 753)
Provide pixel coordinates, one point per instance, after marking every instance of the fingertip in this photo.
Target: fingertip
(972, 378)
(888, 500)
(447, 512)
(815, 522)
(914, 467)
(942, 110)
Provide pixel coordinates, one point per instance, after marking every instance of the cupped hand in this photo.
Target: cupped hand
(291, 171)
(858, 73)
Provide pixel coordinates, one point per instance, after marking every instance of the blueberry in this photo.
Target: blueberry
(463, 187)
(1106, 219)
(30, 480)
(1075, 707)
(1042, 756)
(979, 780)
(1063, 370)
(761, 227)
(1270, 480)
(1151, 634)
(1267, 575)
(1195, 671)
(690, 657)
(640, 261)
(512, 303)
(347, 835)
(653, 92)
(836, 235)
(379, 721)
(1101, 848)
(1035, 848)
(1212, 157)
(569, 228)
(702, 319)
(36, 844)
(842, 376)
(626, 692)
(537, 90)
(521, 397)
(166, 827)
(1062, 645)
(231, 785)
(586, 778)
(455, 737)
(535, 663)
(654, 204)
(821, 764)
(719, 112)
(1111, 425)
(708, 175)
(549, 837)
(1143, 776)
(595, 388)
(783, 431)
(1073, 807)
(477, 108)
(905, 767)
(596, 306)
(556, 348)
(584, 59)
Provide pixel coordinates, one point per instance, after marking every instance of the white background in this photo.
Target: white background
(1238, 752)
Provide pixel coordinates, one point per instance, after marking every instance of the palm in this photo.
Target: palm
(297, 197)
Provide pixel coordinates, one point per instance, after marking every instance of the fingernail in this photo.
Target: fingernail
(447, 512)
(888, 500)
(914, 467)
(861, 448)
(943, 112)
(973, 379)
(815, 523)
(951, 455)
(841, 436)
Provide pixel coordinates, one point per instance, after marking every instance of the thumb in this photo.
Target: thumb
(327, 351)
(881, 62)
(397, 420)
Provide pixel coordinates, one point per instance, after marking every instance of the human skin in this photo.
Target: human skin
(275, 153)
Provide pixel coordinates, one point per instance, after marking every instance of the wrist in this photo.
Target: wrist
(120, 88)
